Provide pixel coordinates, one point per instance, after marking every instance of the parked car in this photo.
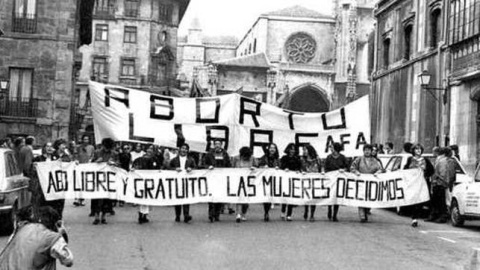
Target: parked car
(14, 192)
(465, 203)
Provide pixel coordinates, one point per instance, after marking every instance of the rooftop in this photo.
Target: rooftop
(254, 60)
(298, 11)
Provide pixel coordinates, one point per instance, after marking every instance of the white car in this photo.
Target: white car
(465, 203)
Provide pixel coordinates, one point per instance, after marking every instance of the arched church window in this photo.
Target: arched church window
(300, 48)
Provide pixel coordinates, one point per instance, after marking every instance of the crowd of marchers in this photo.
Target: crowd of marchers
(135, 156)
(45, 218)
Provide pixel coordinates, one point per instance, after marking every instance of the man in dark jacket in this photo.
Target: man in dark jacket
(183, 163)
(216, 158)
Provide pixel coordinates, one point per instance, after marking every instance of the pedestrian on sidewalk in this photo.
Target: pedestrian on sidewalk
(310, 164)
(243, 160)
(440, 184)
(335, 161)
(418, 161)
(183, 163)
(365, 164)
(271, 159)
(290, 162)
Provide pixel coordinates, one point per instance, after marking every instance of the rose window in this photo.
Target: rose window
(300, 48)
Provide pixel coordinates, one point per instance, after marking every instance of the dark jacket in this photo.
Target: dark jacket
(175, 163)
(292, 163)
(222, 162)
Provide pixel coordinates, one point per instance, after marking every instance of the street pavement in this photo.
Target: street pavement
(386, 242)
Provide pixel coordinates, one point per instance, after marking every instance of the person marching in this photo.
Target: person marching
(290, 162)
(366, 164)
(310, 163)
(183, 163)
(84, 155)
(147, 162)
(244, 160)
(418, 161)
(216, 158)
(335, 161)
(38, 199)
(106, 154)
(271, 159)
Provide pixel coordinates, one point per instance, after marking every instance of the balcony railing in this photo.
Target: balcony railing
(24, 23)
(16, 107)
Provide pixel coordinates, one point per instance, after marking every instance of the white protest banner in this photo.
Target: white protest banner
(64, 180)
(125, 114)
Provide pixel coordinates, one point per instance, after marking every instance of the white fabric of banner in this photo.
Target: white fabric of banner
(125, 114)
(151, 187)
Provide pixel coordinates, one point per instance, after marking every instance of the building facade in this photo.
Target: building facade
(37, 51)
(409, 40)
(134, 45)
(463, 92)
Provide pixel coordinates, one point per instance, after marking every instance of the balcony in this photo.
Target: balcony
(16, 107)
(24, 23)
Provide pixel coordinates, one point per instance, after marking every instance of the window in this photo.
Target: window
(100, 70)
(24, 16)
(249, 48)
(104, 7)
(131, 8)
(128, 67)
(101, 32)
(408, 41)
(464, 20)
(165, 13)
(435, 27)
(386, 52)
(254, 45)
(20, 83)
(130, 35)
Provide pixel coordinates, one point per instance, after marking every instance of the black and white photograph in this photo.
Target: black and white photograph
(253, 134)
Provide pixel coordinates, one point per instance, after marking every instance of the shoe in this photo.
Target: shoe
(211, 219)
(96, 221)
(145, 218)
(329, 215)
(364, 220)
(187, 219)
(289, 218)
(244, 218)
(238, 219)
(312, 219)
(335, 219)
(177, 219)
(104, 221)
(282, 216)
(266, 218)
(414, 223)
(231, 211)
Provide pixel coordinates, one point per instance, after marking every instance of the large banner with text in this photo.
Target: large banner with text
(161, 188)
(125, 114)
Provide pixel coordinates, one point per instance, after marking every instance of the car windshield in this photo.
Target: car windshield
(11, 166)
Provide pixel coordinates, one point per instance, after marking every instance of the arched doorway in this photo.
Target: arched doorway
(308, 98)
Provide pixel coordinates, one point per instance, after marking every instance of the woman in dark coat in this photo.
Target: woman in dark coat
(310, 163)
(270, 160)
(335, 161)
(290, 162)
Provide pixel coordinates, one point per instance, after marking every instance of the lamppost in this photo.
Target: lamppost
(424, 79)
(271, 84)
(212, 78)
(3, 87)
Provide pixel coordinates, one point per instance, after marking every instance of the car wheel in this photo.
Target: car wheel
(455, 216)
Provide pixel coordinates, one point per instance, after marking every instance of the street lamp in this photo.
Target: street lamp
(424, 79)
(272, 83)
(3, 87)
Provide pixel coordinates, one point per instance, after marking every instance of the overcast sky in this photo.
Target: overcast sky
(235, 17)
